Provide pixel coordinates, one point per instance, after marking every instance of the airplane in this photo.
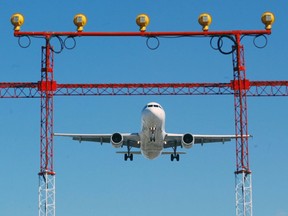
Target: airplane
(152, 139)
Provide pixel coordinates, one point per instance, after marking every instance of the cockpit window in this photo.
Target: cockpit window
(153, 105)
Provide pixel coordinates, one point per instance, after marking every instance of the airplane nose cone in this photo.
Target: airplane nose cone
(154, 113)
(149, 113)
(152, 117)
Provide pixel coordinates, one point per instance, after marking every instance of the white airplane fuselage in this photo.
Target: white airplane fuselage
(152, 130)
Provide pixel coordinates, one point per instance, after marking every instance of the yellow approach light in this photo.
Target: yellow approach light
(142, 21)
(268, 19)
(205, 20)
(80, 21)
(17, 21)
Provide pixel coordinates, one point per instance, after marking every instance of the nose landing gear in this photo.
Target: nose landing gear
(152, 137)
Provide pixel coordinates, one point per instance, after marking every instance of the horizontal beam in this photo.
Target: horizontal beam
(143, 34)
(268, 88)
(19, 90)
(33, 90)
(145, 89)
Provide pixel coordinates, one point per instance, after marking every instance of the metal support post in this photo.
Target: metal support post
(243, 181)
(46, 174)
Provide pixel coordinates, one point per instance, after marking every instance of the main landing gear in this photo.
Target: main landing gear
(175, 155)
(129, 155)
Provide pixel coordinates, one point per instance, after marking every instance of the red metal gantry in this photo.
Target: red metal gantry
(33, 89)
(240, 87)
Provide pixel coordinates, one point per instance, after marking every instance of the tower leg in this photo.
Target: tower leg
(243, 191)
(243, 180)
(46, 196)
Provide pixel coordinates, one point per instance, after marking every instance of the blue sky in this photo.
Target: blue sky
(93, 180)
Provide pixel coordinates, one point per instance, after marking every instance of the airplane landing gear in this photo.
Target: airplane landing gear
(152, 137)
(175, 155)
(128, 155)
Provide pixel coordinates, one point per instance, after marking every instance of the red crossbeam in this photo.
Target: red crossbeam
(143, 34)
(32, 90)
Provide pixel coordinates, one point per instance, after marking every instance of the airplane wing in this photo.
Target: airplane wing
(173, 140)
(129, 139)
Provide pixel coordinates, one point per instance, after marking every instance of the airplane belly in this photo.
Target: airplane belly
(151, 149)
(151, 154)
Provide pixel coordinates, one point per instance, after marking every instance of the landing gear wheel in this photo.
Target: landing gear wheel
(130, 156)
(175, 156)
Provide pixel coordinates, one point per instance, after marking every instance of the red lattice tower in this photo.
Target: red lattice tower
(243, 182)
(47, 86)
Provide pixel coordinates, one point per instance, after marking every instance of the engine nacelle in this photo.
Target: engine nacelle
(117, 140)
(187, 140)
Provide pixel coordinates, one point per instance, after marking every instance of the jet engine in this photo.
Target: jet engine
(187, 140)
(116, 140)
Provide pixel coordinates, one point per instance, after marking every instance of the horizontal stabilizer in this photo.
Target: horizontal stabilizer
(131, 152)
(169, 153)
(138, 152)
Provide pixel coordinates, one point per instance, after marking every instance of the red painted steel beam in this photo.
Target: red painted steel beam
(268, 88)
(19, 90)
(33, 89)
(144, 89)
(142, 34)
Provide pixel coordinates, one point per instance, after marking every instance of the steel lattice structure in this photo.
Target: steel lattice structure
(239, 87)
(243, 182)
(33, 89)
(46, 174)
(257, 88)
